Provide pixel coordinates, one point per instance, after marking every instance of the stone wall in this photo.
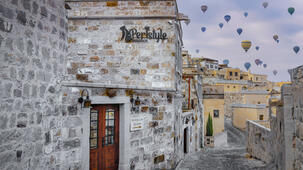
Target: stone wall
(297, 111)
(33, 47)
(99, 54)
(259, 141)
(229, 100)
(154, 140)
(100, 59)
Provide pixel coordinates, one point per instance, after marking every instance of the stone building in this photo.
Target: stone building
(122, 57)
(281, 145)
(213, 102)
(243, 112)
(33, 49)
(295, 139)
(192, 108)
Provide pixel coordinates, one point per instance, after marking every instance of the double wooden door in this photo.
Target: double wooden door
(104, 137)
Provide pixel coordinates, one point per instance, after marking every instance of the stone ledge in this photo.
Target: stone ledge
(114, 17)
(115, 86)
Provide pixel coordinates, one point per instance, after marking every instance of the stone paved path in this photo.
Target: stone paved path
(221, 159)
(229, 156)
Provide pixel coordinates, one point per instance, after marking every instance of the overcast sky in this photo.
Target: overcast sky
(259, 27)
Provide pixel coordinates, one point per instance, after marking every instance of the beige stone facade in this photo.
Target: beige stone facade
(244, 112)
(213, 102)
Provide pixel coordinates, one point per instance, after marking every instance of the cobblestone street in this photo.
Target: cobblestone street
(230, 155)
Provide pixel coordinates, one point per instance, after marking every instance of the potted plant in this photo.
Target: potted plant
(209, 139)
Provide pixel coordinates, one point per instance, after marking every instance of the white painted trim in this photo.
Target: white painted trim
(124, 133)
(85, 117)
(115, 86)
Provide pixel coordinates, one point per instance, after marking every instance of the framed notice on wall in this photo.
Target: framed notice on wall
(136, 123)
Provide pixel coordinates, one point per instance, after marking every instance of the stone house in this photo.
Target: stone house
(192, 108)
(243, 112)
(213, 102)
(33, 49)
(121, 58)
(282, 143)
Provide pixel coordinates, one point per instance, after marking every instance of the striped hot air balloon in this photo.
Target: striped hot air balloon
(246, 45)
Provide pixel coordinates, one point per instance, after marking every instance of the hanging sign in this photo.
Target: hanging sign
(133, 35)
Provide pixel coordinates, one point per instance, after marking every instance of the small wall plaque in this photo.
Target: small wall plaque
(136, 123)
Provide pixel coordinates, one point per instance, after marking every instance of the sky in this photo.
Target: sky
(259, 27)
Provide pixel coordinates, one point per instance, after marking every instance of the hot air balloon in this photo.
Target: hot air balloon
(226, 62)
(275, 37)
(247, 65)
(204, 8)
(221, 25)
(275, 72)
(296, 49)
(246, 45)
(197, 50)
(227, 18)
(239, 31)
(261, 62)
(278, 41)
(291, 10)
(265, 4)
(257, 62)
(203, 29)
(245, 14)
(264, 65)
(257, 48)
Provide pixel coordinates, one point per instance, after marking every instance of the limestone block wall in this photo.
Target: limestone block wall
(297, 93)
(259, 141)
(102, 56)
(99, 53)
(33, 47)
(229, 99)
(289, 125)
(157, 138)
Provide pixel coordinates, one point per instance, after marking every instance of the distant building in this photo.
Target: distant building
(192, 109)
(213, 102)
(243, 112)
(255, 97)
(210, 64)
(232, 73)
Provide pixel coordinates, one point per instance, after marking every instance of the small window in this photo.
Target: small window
(261, 117)
(231, 73)
(227, 86)
(241, 77)
(259, 102)
(236, 73)
(257, 78)
(216, 67)
(211, 66)
(234, 87)
(216, 113)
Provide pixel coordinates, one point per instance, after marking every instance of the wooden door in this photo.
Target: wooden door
(185, 141)
(104, 137)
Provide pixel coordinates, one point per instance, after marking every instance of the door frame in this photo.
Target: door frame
(124, 133)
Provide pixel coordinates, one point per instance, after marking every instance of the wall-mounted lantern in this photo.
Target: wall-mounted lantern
(132, 100)
(137, 101)
(86, 103)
